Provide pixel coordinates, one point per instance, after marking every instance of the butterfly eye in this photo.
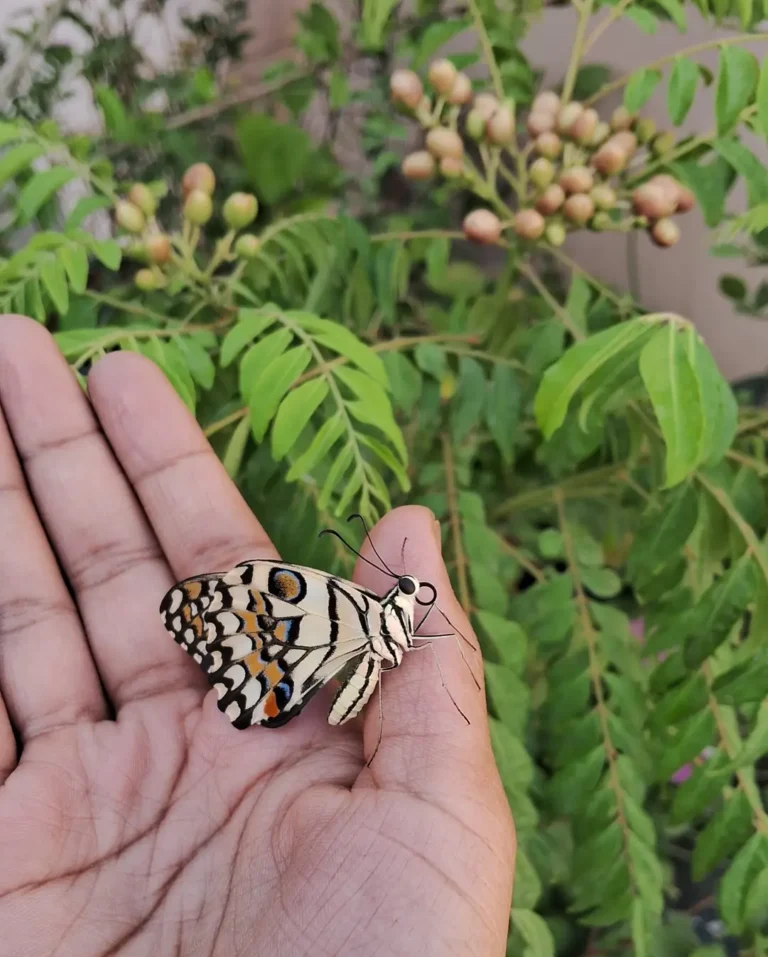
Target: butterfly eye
(407, 585)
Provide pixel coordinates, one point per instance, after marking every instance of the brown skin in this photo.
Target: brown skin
(166, 831)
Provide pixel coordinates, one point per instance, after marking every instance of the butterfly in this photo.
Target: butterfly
(269, 634)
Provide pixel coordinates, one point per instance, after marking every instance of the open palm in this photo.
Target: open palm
(134, 819)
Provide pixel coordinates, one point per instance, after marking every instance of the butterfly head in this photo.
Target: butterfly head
(408, 586)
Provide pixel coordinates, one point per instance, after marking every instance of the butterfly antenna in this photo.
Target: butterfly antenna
(373, 546)
(447, 689)
(332, 531)
(369, 762)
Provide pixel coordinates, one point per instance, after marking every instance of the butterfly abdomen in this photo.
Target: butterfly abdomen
(356, 690)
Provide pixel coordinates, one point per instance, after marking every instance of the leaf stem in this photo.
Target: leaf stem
(485, 42)
(589, 484)
(577, 50)
(453, 510)
(614, 14)
(669, 58)
(546, 295)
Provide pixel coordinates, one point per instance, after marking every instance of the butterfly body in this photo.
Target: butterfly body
(268, 635)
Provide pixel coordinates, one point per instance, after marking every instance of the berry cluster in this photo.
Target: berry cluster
(136, 215)
(578, 174)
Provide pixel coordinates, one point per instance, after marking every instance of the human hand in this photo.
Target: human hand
(136, 820)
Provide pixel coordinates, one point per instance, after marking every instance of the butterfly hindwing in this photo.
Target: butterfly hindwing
(268, 636)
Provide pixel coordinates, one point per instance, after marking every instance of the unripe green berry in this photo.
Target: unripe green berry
(542, 172)
(143, 197)
(199, 176)
(645, 129)
(529, 224)
(461, 91)
(549, 145)
(665, 233)
(601, 221)
(601, 134)
(482, 226)
(247, 245)
(475, 124)
(418, 165)
(198, 208)
(158, 248)
(442, 142)
(406, 88)
(551, 199)
(146, 280)
(240, 210)
(555, 234)
(662, 143)
(442, 76)
(579, 208)
(500, 128)
(603, 196)
(129, 216)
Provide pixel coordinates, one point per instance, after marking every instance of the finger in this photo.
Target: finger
(7, 745)
(201, 520)
(47, 676)
(426, 743)
(97, 527)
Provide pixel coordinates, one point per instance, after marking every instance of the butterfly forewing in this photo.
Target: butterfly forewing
(269, 635)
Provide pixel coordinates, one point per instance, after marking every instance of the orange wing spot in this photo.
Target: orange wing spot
(197, 625)
(193, 590)
(281, 631)
(286, 585)
(258, 601)
(253, 663)
(271, 707)
(250, 624)
(186, 612)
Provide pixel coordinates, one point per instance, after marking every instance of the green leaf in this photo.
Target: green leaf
(681, 90)
(756, 904)
(545, 610)
(430, 358)
(108, 252)
(468, 400)
(295, 411)
(54, 279)
(562, 380)
(571, 787)
(719, 610)
(327, 435)
(640, 88)
(527, 883)
(17, 159)
(116, 120)
(745, 8)
(275, 155)
(748, 166)
(577, 301)
(642, 18)
(75, 261)
(250, 324)
(661, 534)
(602, 582)
(751, 859)
(404, 380)
(675, 11)
(335, 475)
(200, 363)
(10, 132)
(726, 831)
(674, 394)
(507, 639)
(374, 408)
(761, 99)
(514, 762)
(695, 795)
(736, 82)
(534, 931)
(507, 695)
(692, 737)
(710, 183)
(259, 356)
(233, 456)
(83, 208)
(743, 684)
(756, 745)
(680, 702)
(435, 36)
(39, 189)
(335, 336)
(270, 385)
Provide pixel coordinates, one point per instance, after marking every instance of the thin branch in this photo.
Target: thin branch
(590, 636)
(663, 60)
(418, 234)
(577, 49)
(566, 260)
(485, 41)
(557, 308)
(521, 558)
(615, 13)
(462, 580)
(226, 103)
(590, 484)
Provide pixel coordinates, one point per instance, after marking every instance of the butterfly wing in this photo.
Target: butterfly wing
(269, 635)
